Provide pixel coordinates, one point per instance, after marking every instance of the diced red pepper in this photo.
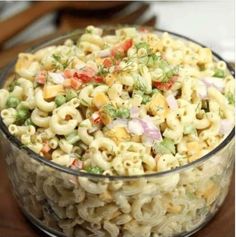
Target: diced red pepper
(165, 85)
(77, 164)
(46, 148)
(122, 48)
(75, 83)
(85, 75)
(68, 73)
(127, 44)
(98, 79)
(107, 62)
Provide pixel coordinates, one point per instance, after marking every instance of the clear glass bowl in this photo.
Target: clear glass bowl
(63, 202)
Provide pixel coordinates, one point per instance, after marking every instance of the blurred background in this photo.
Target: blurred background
(26, 23)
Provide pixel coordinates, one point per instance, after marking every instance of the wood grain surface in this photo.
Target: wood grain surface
(14, 224)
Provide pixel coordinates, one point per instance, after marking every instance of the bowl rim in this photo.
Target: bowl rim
(16, 142)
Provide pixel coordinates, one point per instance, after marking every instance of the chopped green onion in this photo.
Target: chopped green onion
(219, 73)
(70, 94)
(12, 102)
(142, 45)
(102, 71)
(146, 99)
(230, 98)
(123, 113)
(56, 57)
(110, 110)
(60, 100)
(166, 146)
(94, 170)
(139, 84)
(152, 60)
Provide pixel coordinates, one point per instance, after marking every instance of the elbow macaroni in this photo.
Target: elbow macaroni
(108, 83)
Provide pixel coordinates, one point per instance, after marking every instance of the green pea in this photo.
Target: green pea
(94, 170)
(21, 106)
(28, 122)
(146, 99)
(70, 94)
(12, 102)
(22, 115)
(60, 100)
(219, 73)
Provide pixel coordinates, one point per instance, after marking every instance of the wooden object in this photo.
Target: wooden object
(18, 22)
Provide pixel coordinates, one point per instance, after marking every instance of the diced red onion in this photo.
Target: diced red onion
(214, 82)
(225, 126)
(171, 101)
(134, 112)
(150, 130)
(147, 140)
(57, 78)
(118, 123)
(135, 127)
(104, 53)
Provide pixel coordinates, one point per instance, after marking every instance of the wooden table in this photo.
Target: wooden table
(14, 224)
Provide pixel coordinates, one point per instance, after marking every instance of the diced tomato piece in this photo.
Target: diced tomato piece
(41, 77)
(107, 62)
(165, 85)
(46, 148)
(85, 75)
(122, 48)
(98, 79)
(75, 83)
(127, 44)
(68, 73)
(77, 164)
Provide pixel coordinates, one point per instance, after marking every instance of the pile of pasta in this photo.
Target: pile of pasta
(129, 103)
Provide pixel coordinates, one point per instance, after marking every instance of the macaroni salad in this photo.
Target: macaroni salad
(123, 104)
(129, 103)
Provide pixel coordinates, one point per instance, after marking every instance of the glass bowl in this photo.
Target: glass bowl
(64, 202)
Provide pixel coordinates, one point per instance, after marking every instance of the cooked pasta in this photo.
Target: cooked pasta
(123, 104)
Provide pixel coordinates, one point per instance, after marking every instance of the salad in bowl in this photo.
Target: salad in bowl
(123, 131)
